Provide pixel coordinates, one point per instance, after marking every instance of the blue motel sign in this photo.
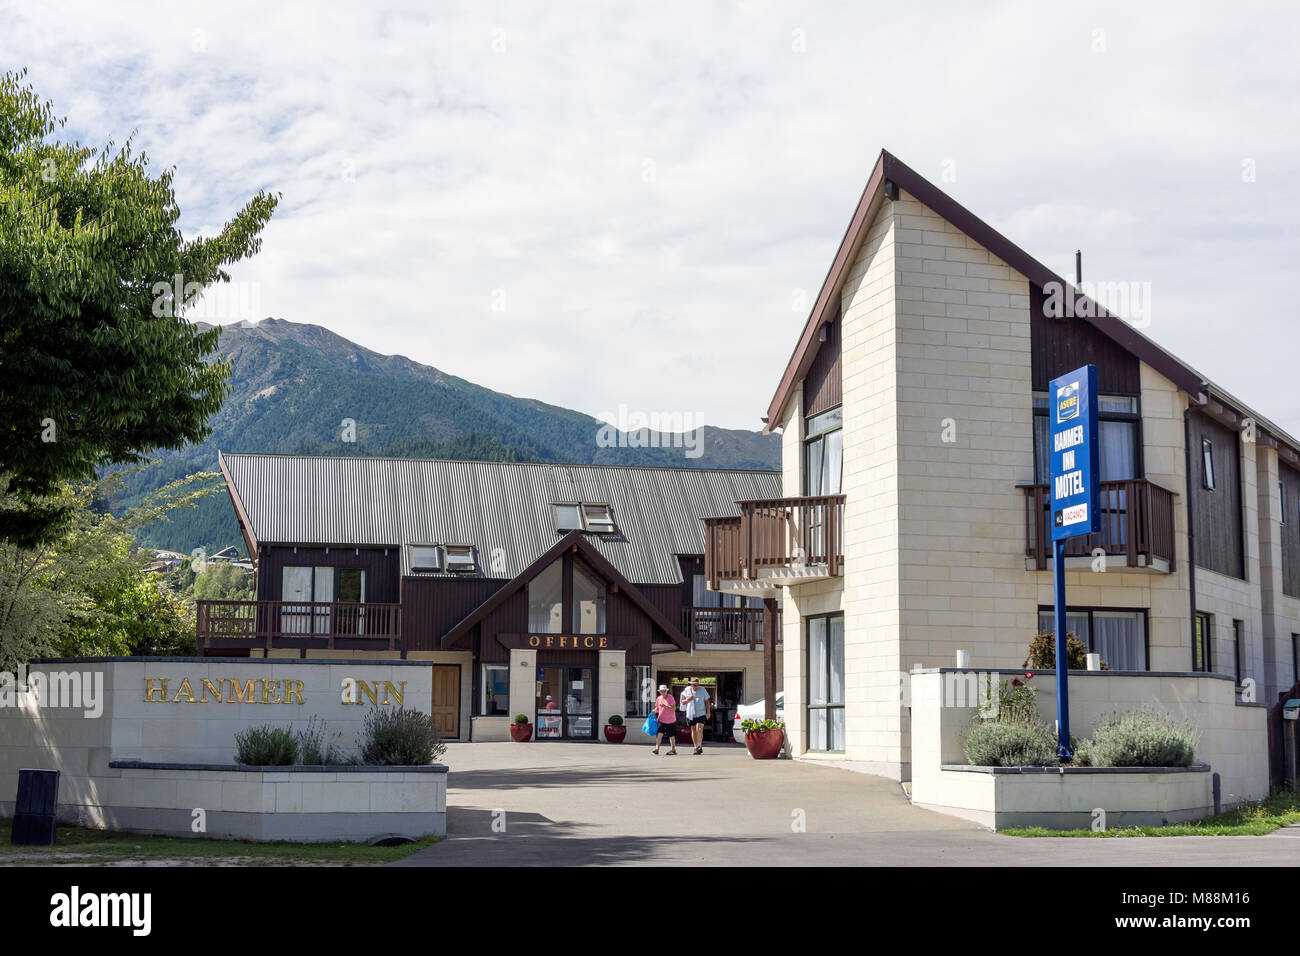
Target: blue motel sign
(1075, 469)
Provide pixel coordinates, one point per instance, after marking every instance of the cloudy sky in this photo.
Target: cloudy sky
(595, 204)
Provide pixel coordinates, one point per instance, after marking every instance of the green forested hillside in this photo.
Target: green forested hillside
(294, 385)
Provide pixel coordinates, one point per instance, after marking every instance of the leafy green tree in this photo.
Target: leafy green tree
(97, 362)
(223, 582)
(87, 592)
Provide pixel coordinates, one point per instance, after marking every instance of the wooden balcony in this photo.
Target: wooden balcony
(229, 625)
(1136, 521)
(742, 626)
(776, 542)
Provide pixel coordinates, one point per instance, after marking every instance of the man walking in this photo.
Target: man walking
(698, 709)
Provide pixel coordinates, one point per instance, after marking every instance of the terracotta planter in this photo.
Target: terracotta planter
(615, 733)
(764, 744)
(521, 733)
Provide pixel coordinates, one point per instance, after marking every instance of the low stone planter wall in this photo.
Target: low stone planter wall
(303, 804)
(1233, 743)
(1057, 799)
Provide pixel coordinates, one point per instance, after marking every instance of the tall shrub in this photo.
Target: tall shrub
(1145, 738)
(995, 743)
(266, 746)
(399, 737)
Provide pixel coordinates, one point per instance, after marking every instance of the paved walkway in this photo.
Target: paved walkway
(570, 804)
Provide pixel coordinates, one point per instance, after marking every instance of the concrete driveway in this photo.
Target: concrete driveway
(567, 804)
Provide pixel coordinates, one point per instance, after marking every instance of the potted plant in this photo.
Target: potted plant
(614, 730)
(763, 738)
(521, 731)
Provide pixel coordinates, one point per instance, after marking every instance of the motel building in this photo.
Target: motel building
(913, 414)
(566, 593)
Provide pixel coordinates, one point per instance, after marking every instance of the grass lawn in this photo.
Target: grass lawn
(1252, 819)
(77, 845)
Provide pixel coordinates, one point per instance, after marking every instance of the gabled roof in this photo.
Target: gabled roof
(890, 174)
(503, 509)
(576, 541)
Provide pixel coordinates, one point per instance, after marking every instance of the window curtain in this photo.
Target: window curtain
(546, 600)
(832, 462)
(1118, 638)
(588, 602)
(1117, 450)
(1076, 623)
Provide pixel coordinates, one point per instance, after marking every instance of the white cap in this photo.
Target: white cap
(663, 686)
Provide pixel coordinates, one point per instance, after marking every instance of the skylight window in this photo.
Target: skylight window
(597, 518)
(568, 517)
(424, 558)
(583, 517)
(460, 557)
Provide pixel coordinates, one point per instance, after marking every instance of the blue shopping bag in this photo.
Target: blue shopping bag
(651, 726)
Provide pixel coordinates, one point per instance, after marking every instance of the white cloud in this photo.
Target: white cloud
(644, 189)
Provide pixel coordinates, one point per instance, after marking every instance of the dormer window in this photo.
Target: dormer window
(568, 517)
(424, 558)
(583, 517)
(460, 557)
(597, 519)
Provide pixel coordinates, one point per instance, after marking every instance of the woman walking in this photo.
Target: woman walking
(666, 714)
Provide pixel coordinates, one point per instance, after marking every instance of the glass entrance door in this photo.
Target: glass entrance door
(565, 702)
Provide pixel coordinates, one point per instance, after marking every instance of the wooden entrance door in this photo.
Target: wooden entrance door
(446, 700)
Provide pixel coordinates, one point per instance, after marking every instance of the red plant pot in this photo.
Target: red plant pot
(615, 733)
(683, 732)
(521, 733)
(764, 744)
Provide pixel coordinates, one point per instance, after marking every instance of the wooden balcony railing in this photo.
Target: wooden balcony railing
(1136, 520)
(298, 624)
(780, 533)
(726, 625)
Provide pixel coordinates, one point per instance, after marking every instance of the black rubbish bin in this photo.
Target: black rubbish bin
(38, 798)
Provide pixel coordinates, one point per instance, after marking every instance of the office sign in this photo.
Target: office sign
(1075, 469)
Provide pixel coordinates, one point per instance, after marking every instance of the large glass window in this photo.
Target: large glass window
(824, 453)
(1202, 643)
(826, 683)
(309, 585)
(546, 600)
(588, 602)
(494, 692)
(568, 517)
(1120, 637)
(1239, 649)
(639, 691)
(1118, 440)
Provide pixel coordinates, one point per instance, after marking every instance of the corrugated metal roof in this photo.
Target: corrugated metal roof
(502, 508)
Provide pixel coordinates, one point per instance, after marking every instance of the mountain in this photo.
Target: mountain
(294, 384)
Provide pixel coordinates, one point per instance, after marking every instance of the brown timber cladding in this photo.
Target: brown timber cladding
(1290, 479)
(823, 386)
(1060, 345)
(381, 569)
(1217, 514)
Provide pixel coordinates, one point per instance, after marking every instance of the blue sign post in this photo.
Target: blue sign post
(1072, 412)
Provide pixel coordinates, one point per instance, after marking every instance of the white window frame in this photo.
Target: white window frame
(555, 513)
(601, 522)
(459, 557)
(432, 548)
(1207, 464)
